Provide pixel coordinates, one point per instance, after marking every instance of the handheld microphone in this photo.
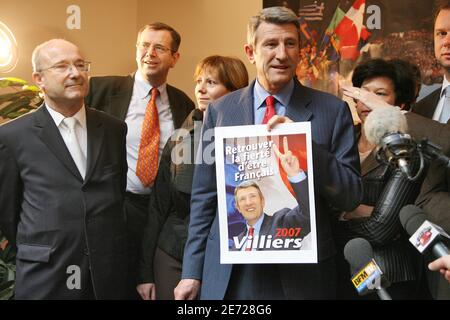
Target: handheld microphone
(366, 274)
(425, 236)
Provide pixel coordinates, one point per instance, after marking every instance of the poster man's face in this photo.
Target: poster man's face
(250, 204)
(442, 39)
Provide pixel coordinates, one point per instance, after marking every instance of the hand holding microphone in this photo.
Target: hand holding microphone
(442, 264)
(426, 236)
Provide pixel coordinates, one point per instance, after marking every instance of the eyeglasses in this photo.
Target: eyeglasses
(63, 67)
(159, 48)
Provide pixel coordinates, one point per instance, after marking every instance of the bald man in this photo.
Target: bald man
(62, 181)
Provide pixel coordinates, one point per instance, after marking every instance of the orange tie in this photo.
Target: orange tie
(147, 164)
(251, 232)
(270, 109)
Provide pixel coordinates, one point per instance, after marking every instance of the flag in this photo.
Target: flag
(351, 30)
(330, 39)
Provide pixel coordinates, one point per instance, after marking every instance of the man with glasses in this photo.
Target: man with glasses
(62, 181)
(151, 116)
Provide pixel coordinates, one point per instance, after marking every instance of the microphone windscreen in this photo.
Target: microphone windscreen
(358, 252)
(411, 218)
(382, 121)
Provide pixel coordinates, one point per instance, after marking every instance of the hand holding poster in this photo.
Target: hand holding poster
(265, 194)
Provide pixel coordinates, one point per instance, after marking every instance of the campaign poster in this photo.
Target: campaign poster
(265, 193)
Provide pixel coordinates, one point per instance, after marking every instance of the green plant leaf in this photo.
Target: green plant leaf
(32, 88)
(11, 82)
(23, 102)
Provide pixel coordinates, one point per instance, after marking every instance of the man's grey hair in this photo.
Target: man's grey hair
(274, 15)
(247, 184)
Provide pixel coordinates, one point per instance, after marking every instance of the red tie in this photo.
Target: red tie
(251, 231)
(270, 110)
(147, 164)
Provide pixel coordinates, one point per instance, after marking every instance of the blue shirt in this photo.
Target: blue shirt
(282, 99)
(257, 228)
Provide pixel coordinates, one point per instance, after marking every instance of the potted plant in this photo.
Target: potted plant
(18, 98)
(7, 269)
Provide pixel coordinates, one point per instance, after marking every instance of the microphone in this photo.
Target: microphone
(366, 274)
(384, 121)
(386, 127)
(425, 236)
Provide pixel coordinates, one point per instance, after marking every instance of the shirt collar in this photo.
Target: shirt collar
(143, 87)
(257, 225)
(283, 96)
(445, 84)
(58, 117)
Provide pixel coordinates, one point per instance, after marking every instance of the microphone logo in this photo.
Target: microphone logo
(425, 235)
(368, 278)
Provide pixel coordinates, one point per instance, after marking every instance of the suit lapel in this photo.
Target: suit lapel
(297, 109)
(50, 135)
(435, 97)
(243, 114)
(95, 134)
(369, 164)
(429, 104)
(120, 102)
(175, 107)
(266, 224)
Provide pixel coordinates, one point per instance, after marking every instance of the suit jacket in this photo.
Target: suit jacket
(287, 218)
(59, 222)
(169, 208)
(434, 197)
(112, 94)
(427, 105)
(336, 179)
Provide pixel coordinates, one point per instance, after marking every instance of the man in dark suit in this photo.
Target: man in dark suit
(62, 181)
(273, 45)
(127, 98)
(250, 203)
(434, 197)
(436, 106)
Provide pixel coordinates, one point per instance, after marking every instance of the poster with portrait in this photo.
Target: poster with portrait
(265, 193)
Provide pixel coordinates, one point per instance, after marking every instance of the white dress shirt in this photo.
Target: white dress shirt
(134, 120)
(80, 132)
(440, 105)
